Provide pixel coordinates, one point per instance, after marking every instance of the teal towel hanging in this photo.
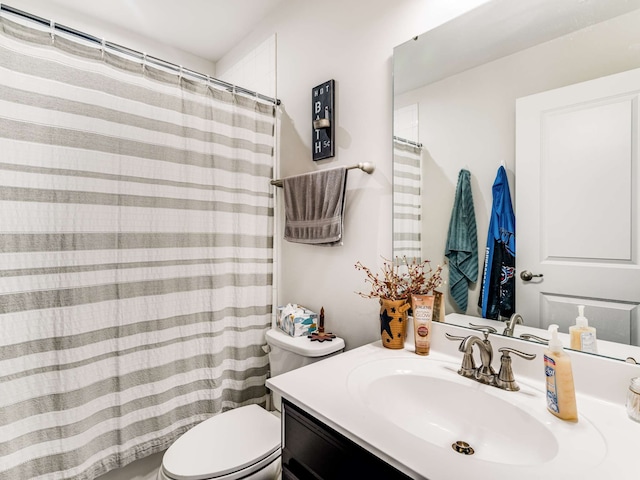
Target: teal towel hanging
(462, 242)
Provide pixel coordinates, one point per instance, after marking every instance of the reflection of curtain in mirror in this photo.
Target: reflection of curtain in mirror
(136, 255)
(407, 209)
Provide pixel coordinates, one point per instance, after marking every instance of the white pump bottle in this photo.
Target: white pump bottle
(583, 337)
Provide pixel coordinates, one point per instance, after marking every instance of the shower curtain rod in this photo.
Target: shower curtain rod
(408, 142)
(134, 53)
(364, 166)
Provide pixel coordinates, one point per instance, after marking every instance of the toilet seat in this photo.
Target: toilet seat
(228, 446)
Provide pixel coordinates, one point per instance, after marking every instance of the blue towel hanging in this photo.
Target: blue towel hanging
(497, 292)
(462, 243)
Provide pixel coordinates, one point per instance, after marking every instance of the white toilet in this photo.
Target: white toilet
(243, 443)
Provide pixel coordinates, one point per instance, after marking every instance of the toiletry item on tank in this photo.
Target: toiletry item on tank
(561, 394)
(422, 317)
(296, 320)
(583, 337)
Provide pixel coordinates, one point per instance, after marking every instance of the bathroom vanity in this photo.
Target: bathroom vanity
(372, 412)
(312, 450)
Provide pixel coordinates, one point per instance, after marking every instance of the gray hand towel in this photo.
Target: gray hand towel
(314, 206)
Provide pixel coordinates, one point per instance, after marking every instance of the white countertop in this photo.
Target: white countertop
(331, 402)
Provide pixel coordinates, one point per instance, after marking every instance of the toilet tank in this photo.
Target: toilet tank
(287, 353)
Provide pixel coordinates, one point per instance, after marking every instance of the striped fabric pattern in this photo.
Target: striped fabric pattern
(136, 252)
(407, 203)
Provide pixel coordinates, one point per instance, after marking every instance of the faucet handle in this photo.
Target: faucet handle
(485, 329)
(535, 338)
(505, 379)
(506, 351)
(468, 367)
(453, 337)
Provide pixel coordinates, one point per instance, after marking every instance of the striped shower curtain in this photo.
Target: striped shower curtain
(135, 255)
(407, 203)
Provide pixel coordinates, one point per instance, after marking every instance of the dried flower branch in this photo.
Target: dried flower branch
(401, 279)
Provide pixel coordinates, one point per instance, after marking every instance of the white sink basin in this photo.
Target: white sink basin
(429, 400)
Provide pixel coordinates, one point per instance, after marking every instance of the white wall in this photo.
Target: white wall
(256, 71)
(351, 42)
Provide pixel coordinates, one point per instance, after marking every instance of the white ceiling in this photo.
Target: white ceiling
(206, 28)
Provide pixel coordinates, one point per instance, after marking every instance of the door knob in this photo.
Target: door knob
(526, 275)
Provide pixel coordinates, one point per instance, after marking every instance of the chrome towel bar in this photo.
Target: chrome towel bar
(364, 166)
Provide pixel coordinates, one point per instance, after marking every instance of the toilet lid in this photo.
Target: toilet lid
(223, 444)
(302, 345)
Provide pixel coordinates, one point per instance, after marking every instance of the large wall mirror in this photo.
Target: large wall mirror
(549, 90)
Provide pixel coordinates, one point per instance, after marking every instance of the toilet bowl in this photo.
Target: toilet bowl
(243, 443)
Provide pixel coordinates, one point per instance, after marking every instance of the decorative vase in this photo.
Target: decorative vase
(393, 322)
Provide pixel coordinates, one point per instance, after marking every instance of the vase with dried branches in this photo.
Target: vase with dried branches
(393, 286)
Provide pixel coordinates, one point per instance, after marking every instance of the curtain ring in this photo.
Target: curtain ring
(103, 46)
(52, 31)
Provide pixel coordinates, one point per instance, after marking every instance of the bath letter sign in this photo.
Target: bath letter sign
(322, 98)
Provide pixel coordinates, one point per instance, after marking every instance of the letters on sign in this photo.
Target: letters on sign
(322, 98)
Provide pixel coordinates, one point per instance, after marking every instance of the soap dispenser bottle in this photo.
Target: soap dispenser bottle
(561, 394)
(583, 337)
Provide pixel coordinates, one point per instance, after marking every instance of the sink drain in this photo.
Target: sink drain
(462, 447)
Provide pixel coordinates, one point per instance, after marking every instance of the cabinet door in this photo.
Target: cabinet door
(312, 450)
(289, 475)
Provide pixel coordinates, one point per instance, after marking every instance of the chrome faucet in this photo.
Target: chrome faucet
(515, 319)
(485, 373)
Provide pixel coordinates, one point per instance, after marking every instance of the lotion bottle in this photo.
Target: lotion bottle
(583, 337)
(422, 320)
(561, 393)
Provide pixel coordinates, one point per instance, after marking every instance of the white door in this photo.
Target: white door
(577, 206)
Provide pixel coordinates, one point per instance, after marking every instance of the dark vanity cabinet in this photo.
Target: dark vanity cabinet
(312, 450)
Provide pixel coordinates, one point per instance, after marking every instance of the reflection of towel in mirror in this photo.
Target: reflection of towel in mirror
(497, 292)
(462, 243)
(314, 206)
